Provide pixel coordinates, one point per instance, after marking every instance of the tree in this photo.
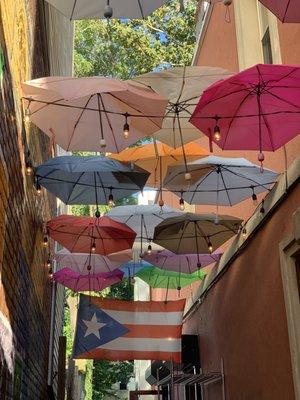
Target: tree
(126, 48)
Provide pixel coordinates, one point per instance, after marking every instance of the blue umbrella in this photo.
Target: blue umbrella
(90, 179)
(131, 268)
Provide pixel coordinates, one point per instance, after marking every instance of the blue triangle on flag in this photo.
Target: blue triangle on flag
(94, 328)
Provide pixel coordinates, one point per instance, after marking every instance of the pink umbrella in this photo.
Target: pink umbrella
(285, 10)
(257, 109)
(88, 234)
(89, 282)
(95, 263)
(183, 263)
(94, 113)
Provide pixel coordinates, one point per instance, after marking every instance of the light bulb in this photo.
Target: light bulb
(102, 143)
(187, 176)
(38, 189)
(49, 263)
(149, 250)
(254, 198)
(217, 133)
(93, 248)
(262, 208)
(181, 204)
(210, 247)
(50, 273)
(126, 130)
(217, 219)
(244, 233)
(29, 169)
(45, 241)
(161, 203)
(27, 115)
(178, 288)
(108, 11)
(111, 201)
(97, 214)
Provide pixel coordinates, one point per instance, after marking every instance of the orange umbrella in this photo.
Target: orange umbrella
(157, 157)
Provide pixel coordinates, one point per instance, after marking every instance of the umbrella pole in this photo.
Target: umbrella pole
(168, 281)
(187, 174)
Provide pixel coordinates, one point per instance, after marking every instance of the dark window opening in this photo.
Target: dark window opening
(267, 48)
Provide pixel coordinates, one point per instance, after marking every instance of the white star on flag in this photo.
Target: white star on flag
(93, 326)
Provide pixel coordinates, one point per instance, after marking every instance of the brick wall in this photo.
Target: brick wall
(25, 290)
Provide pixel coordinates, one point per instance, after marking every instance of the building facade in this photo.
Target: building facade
(30, 47)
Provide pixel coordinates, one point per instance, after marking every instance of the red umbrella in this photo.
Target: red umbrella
(285, 10)
(256, 109)
(88, 234)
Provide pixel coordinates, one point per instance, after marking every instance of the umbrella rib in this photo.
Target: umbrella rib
(73, 9)
(77, 236)
(102, 186)
(141, 9)
(73, 187)
(182, 85)
(109, 123)
(248, 178)
(44, 105)
(78, 120)
(200, 183)
(281, 99)
(226, 189)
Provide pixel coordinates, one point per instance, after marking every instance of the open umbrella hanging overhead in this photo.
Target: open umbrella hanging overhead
(142, 219)
(219, 181)
(256, 109)
(285, 10)
(93, 113)
(92, 9)
(183, 263)
(90, 235)
(90, 180)
(88, 282)
(83, 263)
(182, 86)
(131, 268)
(156, 157)
(195, 233)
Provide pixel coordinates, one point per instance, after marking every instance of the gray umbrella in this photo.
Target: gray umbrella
(90, 180)
(195, 233)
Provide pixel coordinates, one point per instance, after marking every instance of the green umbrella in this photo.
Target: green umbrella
(159, 278)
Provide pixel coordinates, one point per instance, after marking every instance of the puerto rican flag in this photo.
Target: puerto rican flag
(128, 330)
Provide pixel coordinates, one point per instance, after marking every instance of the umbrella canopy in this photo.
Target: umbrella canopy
(183, 263)
(182, 86)
(142, 218)
(285, 10)
(156, 157)
(87, 234)
(131, 268)
(158, 278)
(93, 113)
(94, 9)
(219, 180)
(83, 263)
(256, 109)
(89, 282)
(90, 180)
(195, 233)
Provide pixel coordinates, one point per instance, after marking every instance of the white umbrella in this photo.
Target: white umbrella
(182, 86)
(219, 180)
(92, 9)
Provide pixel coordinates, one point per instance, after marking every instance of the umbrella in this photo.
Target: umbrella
(87, 234)
(183, 263)
(93, 113)
(89, 282)
(182, 86)
(156, 157)
(92, 9)
(142, 219)
(158, 278)
(90, 180)
(219, 180)
(257, 109)
(81, 263)
(285, 10)
(195, 233)
(131, 268)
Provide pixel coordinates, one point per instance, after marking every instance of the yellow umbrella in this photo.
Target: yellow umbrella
(157, 157)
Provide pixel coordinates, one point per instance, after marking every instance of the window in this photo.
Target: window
(265, 35)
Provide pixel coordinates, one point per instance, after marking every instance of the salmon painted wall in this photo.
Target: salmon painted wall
(243, 319)
(289, 36)
(219, 47)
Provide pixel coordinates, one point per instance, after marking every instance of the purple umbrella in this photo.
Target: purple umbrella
(183, 263)
(89, 282)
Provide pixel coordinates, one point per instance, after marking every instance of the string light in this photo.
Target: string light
(187, 176)
(50, 273)
(93, 248)
(89, 267)
(38, 189)
(126, 127)
(262, 208)
(217, 133)
(181, 203)
(49, 263)
(261, 159)
(29, 168)
(102, 143)
(244, 233)
(210, 246)
(111, 202)
(45, 241)
(149, 250)
(27, 113)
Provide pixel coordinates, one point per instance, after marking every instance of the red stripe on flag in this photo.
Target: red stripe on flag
(154, 331)
(113, 355)
(138, 306)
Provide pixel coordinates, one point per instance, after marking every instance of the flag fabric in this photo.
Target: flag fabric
(128, 330)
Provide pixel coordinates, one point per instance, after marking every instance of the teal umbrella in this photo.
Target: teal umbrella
(159, 278)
